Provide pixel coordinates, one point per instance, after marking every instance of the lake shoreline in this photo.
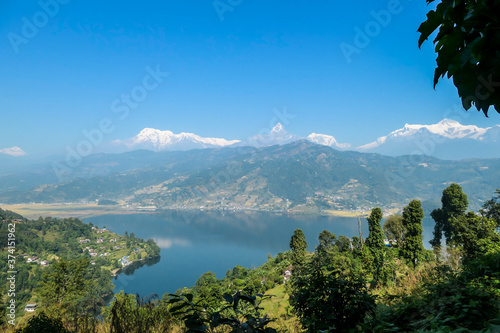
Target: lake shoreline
(33, 211)
(135, 264)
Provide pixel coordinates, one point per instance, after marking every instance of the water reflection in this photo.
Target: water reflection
(130, 269)
(195, 242)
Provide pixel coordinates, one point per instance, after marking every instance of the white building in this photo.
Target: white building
(30, 307)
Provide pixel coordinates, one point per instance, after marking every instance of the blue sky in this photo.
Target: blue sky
(228, 69)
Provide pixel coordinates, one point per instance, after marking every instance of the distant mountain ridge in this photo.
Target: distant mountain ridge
(447, 139)
(300, 176)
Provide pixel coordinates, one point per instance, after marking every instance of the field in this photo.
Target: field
(33, 211)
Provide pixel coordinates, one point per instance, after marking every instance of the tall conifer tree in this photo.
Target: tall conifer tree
(413, 247)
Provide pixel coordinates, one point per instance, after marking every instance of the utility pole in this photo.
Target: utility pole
(360, 233)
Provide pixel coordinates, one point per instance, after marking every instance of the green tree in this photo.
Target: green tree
(343, 243)
(129, 313)
(413, 247)
(43, 324)
(375, 240)
(208, 290)
(237, 314)
(475, 235)
(394, 229)
(467, 45)
(64, 282)
(326, 241)
(454, 204)
(327, 301)
(298, 244)
(491, 208)
(375, 243)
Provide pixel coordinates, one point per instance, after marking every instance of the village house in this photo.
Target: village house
(124, 261)
(82, 241)
(287, 274)
(44, 263)
(12, 220)
(30, 307)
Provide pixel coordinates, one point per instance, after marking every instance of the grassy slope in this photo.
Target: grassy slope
(278, 308)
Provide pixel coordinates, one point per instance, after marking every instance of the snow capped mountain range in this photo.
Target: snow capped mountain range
(447, 128)
(447, 139)
(157, 140)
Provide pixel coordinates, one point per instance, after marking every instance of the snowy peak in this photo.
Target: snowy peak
(448, 128)
(276, 136)
(448, 139)
(452, 129)
(151, 135)
(277, 129)
(158, 140)
(327, 140)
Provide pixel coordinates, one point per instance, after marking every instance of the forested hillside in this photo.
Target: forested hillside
(44, 252)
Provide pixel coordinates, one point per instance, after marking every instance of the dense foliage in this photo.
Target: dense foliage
(331, 295)
(467, 45)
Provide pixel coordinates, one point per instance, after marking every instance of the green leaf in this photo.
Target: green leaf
(428, 27)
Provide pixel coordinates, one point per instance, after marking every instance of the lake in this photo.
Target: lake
(196, 242)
